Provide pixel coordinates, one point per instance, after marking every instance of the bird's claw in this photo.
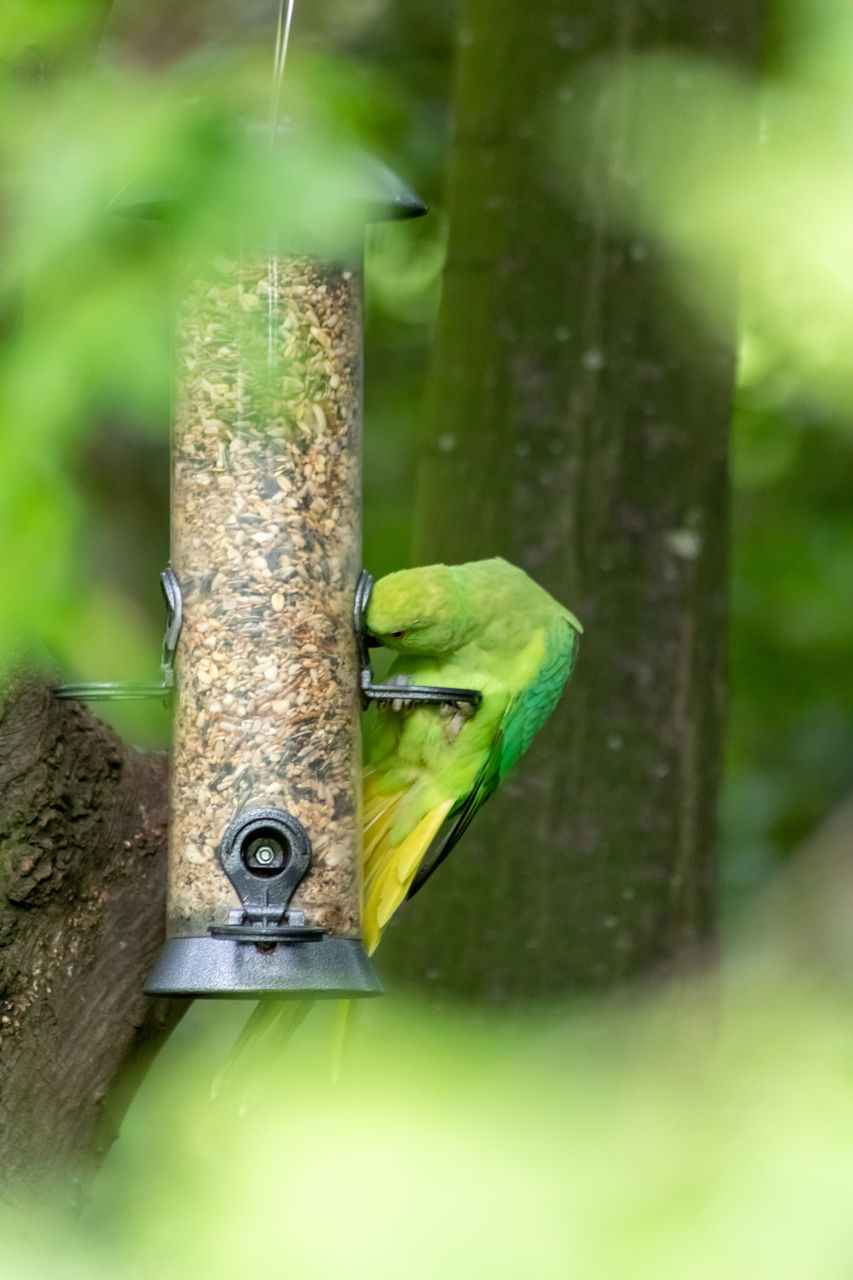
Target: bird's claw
(463, 709)
(401, 704)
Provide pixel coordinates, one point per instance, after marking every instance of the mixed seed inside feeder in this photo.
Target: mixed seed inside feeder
(266, 831)
(266, 544)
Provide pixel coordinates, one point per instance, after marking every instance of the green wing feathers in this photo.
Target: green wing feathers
(532, 706)
(400, 857)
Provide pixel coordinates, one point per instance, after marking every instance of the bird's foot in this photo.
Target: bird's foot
(463, 709)
(400, 704)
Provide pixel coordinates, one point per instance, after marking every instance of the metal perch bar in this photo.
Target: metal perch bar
(370, 692)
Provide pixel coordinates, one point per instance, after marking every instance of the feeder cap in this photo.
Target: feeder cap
(223, 968)
(386, 197)
(364, 187)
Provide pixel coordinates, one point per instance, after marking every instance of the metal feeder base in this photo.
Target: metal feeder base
(327, 968)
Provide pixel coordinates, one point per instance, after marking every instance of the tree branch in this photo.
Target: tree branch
(83, 821)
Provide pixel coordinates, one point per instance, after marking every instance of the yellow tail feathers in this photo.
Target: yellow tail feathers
(267, 1031)
(344, 1014)
(390, 869)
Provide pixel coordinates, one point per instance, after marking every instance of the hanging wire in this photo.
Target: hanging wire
(123, 689)
(282, 39)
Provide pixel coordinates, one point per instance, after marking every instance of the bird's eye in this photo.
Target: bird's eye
(398, 635)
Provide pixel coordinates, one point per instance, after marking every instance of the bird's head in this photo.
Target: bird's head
(419, 610)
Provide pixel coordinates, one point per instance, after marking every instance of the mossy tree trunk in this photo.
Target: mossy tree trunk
(577, 424)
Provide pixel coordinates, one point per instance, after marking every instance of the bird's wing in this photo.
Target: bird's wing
(524, 716)
(459, 817)
(532, 706)
(389, 868)
(393, 872)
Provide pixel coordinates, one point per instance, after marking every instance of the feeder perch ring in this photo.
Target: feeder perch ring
(108, 691)
(370, 692)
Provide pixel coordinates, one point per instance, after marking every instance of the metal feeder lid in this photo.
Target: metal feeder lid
(225, 969)
(365, 186)
(385, 197)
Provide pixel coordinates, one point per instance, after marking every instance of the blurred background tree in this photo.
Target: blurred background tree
(578, 424)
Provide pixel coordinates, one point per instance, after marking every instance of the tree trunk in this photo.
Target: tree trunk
(82, 914)
(578, 426)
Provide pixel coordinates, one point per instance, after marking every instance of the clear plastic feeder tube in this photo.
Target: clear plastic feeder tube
(266, 543)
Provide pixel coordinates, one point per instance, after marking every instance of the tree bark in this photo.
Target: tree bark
(82, 913)
(578, 425)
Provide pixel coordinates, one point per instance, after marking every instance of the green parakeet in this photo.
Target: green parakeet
(484, 626)
(428, 768)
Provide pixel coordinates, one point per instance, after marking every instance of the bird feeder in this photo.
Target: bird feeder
(265, 836)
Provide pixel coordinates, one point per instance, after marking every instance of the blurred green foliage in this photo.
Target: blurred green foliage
(685, 1139)
(790, 753)
(111, 179)
(595, 1143)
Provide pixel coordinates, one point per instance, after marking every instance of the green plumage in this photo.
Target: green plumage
(485, 626)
